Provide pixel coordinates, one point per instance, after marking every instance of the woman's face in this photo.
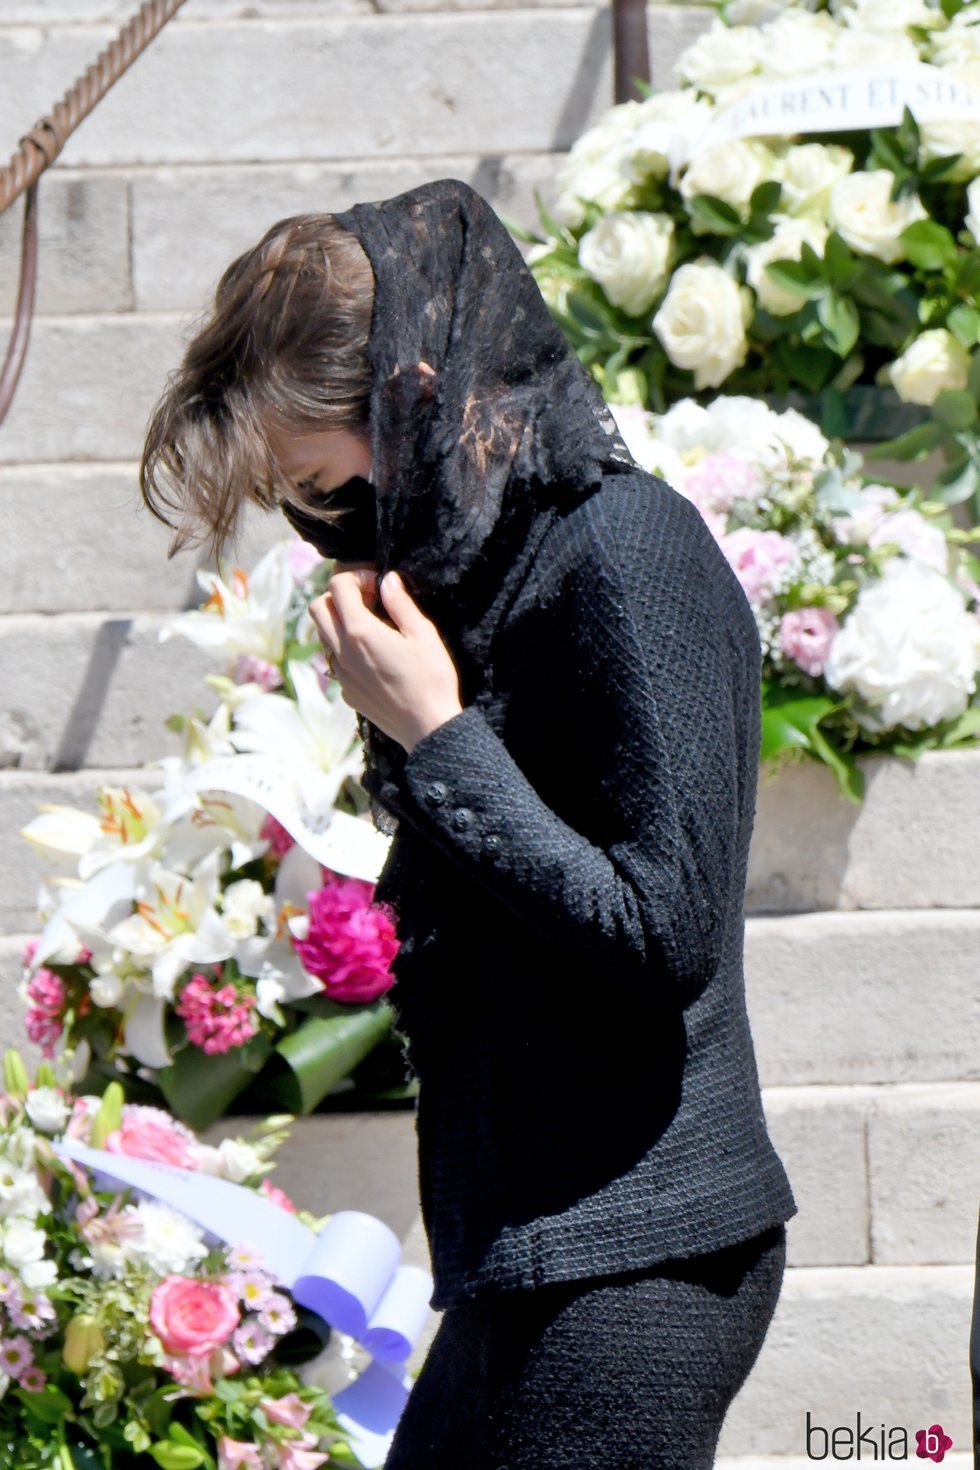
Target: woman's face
(319, 461)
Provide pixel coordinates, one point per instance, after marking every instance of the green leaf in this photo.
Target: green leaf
(170, 1456)
(555, 228)
(109, 1116)
(956, 482)
(964, 323)
(199, 1088)
(928, 245)
(973, 380)
(966, 728)
(50, 1406)
(938, 170)
(765, 197)
(912, 445)
(794, 276)
(714, 215)
(842, 266)
(956, 408)
(322, 1050)
(839, 318)
(791, 719)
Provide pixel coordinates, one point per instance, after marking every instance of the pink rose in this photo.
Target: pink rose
(805, 636)
(718, 480)
(192, 1318)
(150, 1133)
(759, 559)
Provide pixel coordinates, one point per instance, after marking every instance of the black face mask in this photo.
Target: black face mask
(353, 536)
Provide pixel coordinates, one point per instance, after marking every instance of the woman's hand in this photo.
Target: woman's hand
(403, 678)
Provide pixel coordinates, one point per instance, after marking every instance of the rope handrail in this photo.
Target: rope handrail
(40, 146)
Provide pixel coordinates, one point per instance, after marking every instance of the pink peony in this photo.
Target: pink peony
(351, 942)
(150, 1133)
(192, 1318)
(759, 559)
(280, 841)
(277, 1196)
(805, 636)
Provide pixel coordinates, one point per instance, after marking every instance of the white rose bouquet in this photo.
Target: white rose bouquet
(837, 272)
(867, 599)
(216, 940)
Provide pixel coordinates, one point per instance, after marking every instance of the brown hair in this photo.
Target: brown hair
(286, 340)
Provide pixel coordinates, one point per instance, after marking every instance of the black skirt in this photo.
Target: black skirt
(634, 1371)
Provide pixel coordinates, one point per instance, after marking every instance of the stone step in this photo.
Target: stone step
(527, 79)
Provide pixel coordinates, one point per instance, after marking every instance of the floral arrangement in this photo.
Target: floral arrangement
(837, 272)
(867, 599)
(194, 947)
(126, 1339)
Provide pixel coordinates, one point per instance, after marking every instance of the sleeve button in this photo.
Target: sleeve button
(462, 818)
(491, 842)
(436, 793)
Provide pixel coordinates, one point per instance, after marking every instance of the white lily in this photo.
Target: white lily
(62, 832)
(244, 613)
(271, 960)
(315, 735)
(86, 910)
(176, 923)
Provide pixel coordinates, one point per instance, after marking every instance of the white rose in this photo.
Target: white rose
(934, 362)
(720, 56)
(864, 214)
(786, 243)
(702, 320)
(244, 904)
(809, 172)
(661, 122)
(889, 15)
(889, 48)
(239, 1160)
(46, 1109)
(629, 254)
(797, 42)
(972, 220)
(593, 167)
(730, 171)
(959, 43)
(909, 648)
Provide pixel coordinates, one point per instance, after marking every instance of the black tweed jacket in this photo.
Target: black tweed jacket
(569, 876)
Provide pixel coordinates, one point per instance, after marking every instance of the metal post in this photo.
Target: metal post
(631, 48)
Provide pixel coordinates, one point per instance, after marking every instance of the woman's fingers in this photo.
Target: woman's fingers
(324, 616)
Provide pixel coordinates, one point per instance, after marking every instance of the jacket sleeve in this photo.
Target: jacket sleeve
(657, 679)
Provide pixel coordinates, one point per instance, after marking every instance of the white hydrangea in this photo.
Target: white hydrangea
(167, 1242)
(909, 649)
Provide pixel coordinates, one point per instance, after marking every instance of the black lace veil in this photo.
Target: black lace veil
(471, 463)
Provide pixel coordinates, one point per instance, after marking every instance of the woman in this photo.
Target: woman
(559, 696)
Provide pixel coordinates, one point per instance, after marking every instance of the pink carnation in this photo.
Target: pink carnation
(150, 1133)
(280, 841)
(47, 996)
(351, 942)
(805, 636)
(193, 1318)
(217, 1018)
(759, 559)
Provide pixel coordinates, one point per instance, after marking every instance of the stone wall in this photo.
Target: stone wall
(864, 927)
